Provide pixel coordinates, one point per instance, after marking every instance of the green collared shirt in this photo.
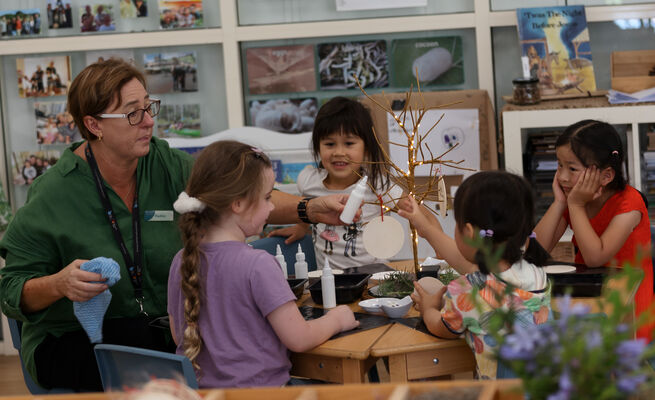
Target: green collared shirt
(63, 219)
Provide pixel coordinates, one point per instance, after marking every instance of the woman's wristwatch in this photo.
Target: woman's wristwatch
(302, 210)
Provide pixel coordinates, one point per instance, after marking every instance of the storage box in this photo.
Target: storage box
(348, 287)
(629, 70)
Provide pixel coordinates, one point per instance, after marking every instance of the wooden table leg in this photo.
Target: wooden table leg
(398, 368)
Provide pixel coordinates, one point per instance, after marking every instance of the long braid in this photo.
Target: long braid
(224, 172)
(191, 227)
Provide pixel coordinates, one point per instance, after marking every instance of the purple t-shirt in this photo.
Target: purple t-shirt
(242, 286)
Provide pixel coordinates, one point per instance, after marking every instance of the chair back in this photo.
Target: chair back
(131, 367)
(289, 250)
(15, 331)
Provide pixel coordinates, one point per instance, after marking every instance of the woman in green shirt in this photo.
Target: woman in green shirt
(110, 195)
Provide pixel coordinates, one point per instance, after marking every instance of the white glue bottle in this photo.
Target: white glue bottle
(301, 265)
(327, 286)
(280, 259)
(354, 201)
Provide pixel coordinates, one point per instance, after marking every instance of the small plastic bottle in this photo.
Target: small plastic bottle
(280, 259)
(354, 201)
(327, 286)
(301, 265)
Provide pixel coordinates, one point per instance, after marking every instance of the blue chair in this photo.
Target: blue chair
(132, 367)
(289, 250)
(15, 331)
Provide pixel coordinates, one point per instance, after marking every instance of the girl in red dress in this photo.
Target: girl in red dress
(609, 218)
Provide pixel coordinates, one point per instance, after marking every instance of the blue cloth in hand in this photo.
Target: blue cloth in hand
(91, 313)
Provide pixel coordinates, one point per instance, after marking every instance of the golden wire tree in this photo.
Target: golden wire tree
(418, 154)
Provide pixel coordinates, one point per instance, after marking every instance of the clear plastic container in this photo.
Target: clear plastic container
(526, 91)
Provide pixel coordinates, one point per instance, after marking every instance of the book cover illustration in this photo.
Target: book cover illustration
(556, 42)
(437, 61)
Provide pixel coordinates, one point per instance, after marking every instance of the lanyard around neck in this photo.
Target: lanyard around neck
(134, 267)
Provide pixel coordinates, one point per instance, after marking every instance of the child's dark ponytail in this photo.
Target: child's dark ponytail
(501, 206)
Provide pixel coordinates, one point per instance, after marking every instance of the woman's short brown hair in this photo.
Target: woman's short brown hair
(96, 87)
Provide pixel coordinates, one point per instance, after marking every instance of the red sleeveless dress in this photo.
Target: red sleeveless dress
(639, 241)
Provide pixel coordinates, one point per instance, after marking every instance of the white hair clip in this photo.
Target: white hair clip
(185, 204)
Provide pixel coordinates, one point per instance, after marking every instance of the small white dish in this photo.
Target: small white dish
(319, 272)
(380, 276)
(397, 308)
(372, 305)
(559, 269)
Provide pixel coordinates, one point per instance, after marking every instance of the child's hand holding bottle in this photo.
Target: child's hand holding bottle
(344, 316)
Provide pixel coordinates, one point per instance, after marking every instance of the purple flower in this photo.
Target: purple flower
(628, 384)
(594, 339)
(565, 384)
(629, 352)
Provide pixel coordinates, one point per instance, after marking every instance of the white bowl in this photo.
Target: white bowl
(397, 308)
(372, 305)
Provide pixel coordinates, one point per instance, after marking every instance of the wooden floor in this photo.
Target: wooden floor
(11, 377)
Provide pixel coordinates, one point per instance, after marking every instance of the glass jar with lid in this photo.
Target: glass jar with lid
(526, 91)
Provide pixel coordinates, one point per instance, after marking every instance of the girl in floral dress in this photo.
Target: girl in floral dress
(497, 207)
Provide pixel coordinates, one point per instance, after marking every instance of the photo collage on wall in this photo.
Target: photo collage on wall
(48, 79)
(98, 15)
(286, 85)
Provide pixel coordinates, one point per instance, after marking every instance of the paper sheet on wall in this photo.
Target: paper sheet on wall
(353, 5)
(457, 126)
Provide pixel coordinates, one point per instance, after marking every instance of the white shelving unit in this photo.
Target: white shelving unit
(515, 122)
(229, 36)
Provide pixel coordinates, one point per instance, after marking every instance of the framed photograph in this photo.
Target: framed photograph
(281, 69)
(97, 18)
(284, 115)
(180, 13)
(24, 22)
(128, 9)
(435, 61)
(340, 62)
(171, 72)
(43, 76)
(54, 125)
(59, 13)
(29, 165)
(97, 56)
(179, 120)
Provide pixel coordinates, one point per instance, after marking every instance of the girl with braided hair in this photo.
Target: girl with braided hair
(236, 317)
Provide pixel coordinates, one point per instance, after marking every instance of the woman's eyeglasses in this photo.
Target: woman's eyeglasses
(135, 117)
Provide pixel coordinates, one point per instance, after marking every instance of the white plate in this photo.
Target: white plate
(559, 269)
(319, 272)
(378, 276)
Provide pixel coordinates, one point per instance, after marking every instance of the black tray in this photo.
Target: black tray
(297, 286)
(584, 282)
(348, 288)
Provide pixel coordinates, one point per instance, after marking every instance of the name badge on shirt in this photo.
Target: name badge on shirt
(157, 215)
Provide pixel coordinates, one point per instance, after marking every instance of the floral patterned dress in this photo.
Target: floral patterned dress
(469, 305)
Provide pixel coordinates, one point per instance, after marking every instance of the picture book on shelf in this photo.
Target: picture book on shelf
(556, 42)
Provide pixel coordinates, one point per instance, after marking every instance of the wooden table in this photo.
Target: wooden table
(415, 355)
(342, 360)
(411, 353)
